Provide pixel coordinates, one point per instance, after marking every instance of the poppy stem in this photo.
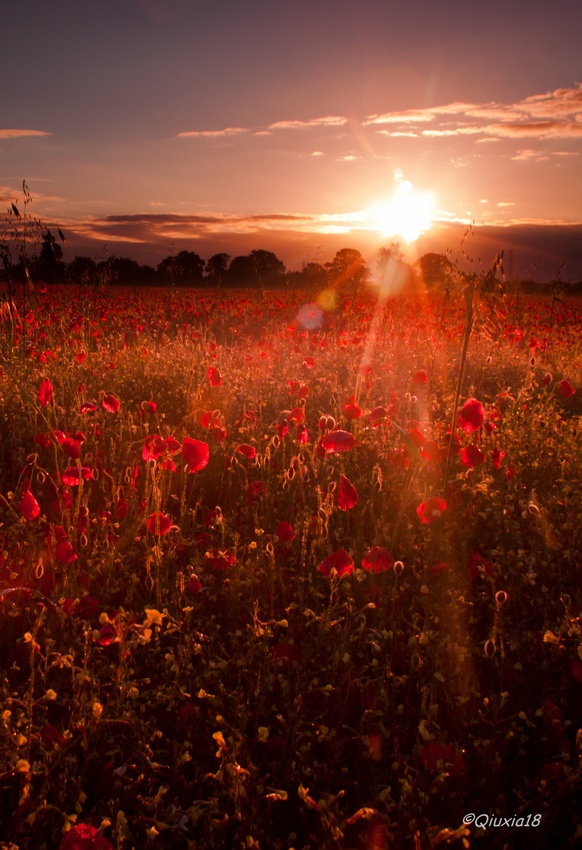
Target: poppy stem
(469, 293)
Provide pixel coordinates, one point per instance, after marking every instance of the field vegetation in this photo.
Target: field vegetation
(286, 571)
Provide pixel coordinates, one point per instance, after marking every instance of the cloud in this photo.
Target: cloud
(298, 124)
(400, 117)
(553, 115)
(227, 131)
(16, 134)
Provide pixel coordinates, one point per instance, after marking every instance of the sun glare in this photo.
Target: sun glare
(408, 214)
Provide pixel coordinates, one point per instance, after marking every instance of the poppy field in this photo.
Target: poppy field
(280, 570)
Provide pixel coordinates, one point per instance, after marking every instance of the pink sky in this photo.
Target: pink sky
(169, 125)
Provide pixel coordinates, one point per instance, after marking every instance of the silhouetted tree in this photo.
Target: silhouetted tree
(315, 276)
(82, 271)
(183, 269)
(241, 272)
(48, 266)
(268, 268)
(348, 270)
(387, 255)
(435, 269)
(216, 268)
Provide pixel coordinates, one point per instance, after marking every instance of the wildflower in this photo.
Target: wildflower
(42, 440)
(45, 392)
(347, 494)
(472, 456)
(377, 560)
(339, 561)
(83, 836)
(28, 506)
(566, 389)
(159, 524)
(73, 475)
(496, 457)
(338, 441)
(195, 453)
(110, 403)
(63, 550)
(284, 531)
(472, 415)
(351, 409)
(431, 510)
(478, 565)
(214, 376)
(246, 450)
(378, 416)
(220, 560)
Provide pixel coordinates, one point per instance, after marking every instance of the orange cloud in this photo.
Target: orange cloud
(16, 134)
(326, 121)
(227, 131)
(553, 115)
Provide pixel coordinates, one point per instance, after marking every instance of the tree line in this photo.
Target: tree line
(260, 269)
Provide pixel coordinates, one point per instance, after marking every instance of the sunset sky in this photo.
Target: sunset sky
(152, 125)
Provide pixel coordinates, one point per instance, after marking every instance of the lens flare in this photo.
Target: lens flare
(408, 214)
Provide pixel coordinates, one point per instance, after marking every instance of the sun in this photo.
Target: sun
(408, 214)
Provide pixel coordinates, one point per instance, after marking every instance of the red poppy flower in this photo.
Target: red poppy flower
(73, 475)
(478, 565)
(419, 377)
(159, 524)
(214, 376)
(28, 506)
(496, 457)
(88, 407)
(63, 550)
(566, 389)
(257, 488)
(347, 495)
(441, 567)
(107, 634)
(472, 456)
(338, 441)
(195, 453)
(45, 392)
(431, 451)
(83, 836)
(194, 584)
(110, 403)
(301, 434)
(153, 447)
(209, 418)
(218, 433)
(220, 560)
(377, 560)
(284, 531)
(432, 509)
(246, 450)
(339, 561)
(378, 416)
(282, 428)
(72, 447)
(351, 409)
(42, 440)
(472, 415)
